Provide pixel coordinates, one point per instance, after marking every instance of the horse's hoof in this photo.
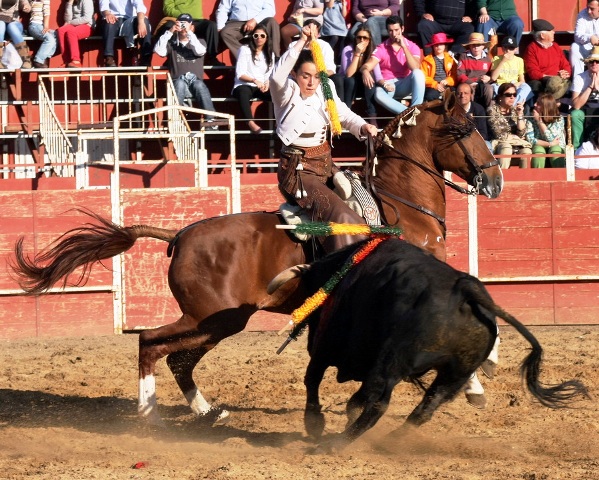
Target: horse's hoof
(488, 368)
(222, 418)
(152, 418)
(477, 400)
(215, 416)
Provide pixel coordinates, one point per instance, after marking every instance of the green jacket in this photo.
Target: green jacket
(498, 9)
(174, 8)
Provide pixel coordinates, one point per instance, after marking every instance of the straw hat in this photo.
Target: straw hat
(476, 39)
(438, 39)
(594, 55)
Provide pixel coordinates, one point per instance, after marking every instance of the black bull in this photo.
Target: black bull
(397, 315)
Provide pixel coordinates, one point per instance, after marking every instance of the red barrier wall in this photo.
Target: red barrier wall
(533, 228)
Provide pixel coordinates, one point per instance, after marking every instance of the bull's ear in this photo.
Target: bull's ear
(449, 99)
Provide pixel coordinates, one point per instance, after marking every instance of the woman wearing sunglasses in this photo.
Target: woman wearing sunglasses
(508, 127)
(350, 83)
(254, 65)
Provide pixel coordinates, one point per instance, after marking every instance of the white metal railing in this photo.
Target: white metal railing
(53, 136)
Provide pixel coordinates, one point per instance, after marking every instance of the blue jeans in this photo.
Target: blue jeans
(127, 28)
(512, 26)
(189, 85)
(14, 30)
(377, 28)
(48, 46)
(412, 84)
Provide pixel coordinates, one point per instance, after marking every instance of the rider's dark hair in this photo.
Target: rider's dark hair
(305, 56)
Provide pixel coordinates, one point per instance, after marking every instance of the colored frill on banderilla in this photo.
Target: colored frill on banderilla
(379, 234)
(326, 88)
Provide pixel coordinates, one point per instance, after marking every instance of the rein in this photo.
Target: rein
(370, 156)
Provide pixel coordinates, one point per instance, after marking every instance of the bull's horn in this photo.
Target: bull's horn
(285, 276)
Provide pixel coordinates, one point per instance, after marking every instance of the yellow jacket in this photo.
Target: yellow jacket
(429, 68)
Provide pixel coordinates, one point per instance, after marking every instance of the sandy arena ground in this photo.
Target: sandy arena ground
(68, 411)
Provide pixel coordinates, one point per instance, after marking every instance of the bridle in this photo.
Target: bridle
(378, 194)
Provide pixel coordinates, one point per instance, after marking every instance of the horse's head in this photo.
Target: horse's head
(440, 136)
(460, 148)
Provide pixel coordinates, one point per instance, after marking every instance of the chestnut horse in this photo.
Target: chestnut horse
(221, 267)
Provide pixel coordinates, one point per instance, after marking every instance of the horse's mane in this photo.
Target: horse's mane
(456, 125)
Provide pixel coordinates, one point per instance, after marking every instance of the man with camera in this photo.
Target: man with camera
(185, 57)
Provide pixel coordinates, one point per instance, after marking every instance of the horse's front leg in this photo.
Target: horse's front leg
(313, 417)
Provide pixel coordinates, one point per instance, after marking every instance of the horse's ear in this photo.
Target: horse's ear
(449, 99)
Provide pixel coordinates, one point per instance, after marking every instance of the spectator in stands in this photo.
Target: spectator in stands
(185, 58)
(499, 16)
(303, 10)
(547, 68)
(10, 24)
(399, 59)
(586, 36)
(585, 98)
(509, 68)
(235, 18)
(440, 68)
(304, 124)
(327, 51)
(203, 28)
(546, 132)
(465, 96)
(508, 127)
(473, 68)
(252, 72)
(39, 28)
(334, 26)
(373, 13)
(126, 18)
(453, 17)
(78, 24)
(588, 148)
(349, 82)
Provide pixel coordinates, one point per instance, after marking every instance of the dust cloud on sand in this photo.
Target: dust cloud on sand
(68, 411)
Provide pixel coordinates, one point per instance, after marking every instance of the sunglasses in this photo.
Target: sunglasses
(510, 95)
(362, 38)
(259, 35)
(593, 61)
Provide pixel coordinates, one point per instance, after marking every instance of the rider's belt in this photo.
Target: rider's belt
(308, 152)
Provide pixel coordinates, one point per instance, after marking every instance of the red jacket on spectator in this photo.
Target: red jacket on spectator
(539, 61)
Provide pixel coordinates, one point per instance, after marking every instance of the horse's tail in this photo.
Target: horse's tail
(79, 247)
(553, 396)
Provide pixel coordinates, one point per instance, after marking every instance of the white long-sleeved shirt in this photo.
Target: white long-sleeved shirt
(585, 28)
(246, 66)
(243, 10)
(293, 113)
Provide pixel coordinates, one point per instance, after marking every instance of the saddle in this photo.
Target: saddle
(349, 188)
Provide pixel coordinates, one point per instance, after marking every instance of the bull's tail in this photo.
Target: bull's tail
(79, 247)
(554, 396)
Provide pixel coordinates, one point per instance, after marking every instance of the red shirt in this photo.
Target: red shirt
(539, 61)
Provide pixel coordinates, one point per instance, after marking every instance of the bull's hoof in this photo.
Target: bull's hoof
(477, 400)
(488, 367)
(314, 423)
